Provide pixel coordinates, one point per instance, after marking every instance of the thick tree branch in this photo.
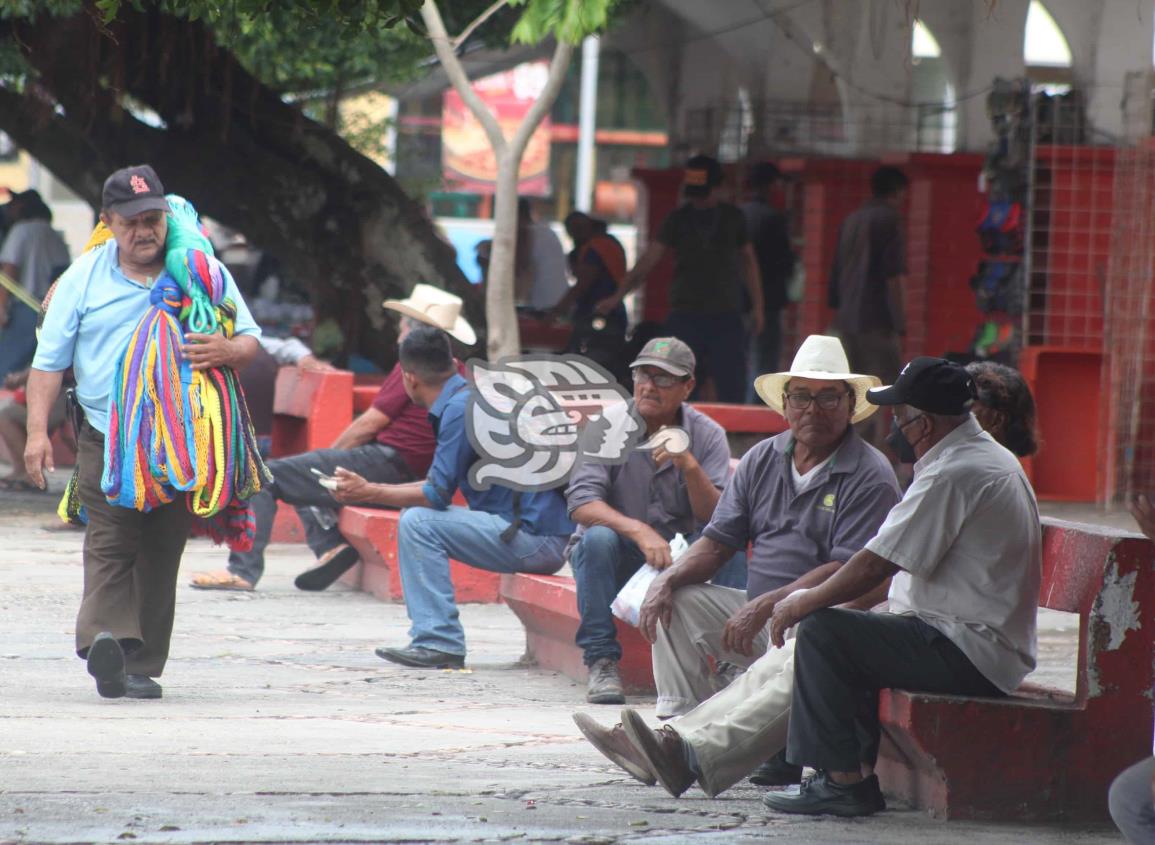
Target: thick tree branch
(482, 18)
(443, 47)
(544, 102)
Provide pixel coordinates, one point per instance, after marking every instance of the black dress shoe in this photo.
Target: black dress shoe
(320, 577)
(106, 665)
(141, 686)
(777, 772)
(821, 796)
(422, 658)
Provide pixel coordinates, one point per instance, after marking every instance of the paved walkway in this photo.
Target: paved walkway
(280, 725)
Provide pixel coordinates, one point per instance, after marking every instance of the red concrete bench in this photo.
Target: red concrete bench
(1042, 753)
(743, 419)
(310, 410)
(63, 447)
(547, 606)
(373, 533)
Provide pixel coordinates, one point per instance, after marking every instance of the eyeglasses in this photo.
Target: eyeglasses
(661, 380)
(827, 400)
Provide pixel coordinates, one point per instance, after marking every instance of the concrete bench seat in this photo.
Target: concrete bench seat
(547, 607)
(1042, 753)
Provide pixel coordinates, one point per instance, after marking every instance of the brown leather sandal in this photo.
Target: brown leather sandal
(220, 580)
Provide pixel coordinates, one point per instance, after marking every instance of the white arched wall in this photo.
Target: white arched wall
(1107, 39)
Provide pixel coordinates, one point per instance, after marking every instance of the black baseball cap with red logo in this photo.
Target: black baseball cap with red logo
(133, 190)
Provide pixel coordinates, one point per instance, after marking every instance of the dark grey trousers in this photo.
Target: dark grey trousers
(842, 658)
(295, 484)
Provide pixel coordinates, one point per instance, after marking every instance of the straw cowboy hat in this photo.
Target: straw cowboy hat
(819, 357)
(436, 308)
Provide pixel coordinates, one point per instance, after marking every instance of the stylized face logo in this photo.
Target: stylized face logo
(531, 418)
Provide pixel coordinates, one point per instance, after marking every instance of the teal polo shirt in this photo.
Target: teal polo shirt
(91, 319)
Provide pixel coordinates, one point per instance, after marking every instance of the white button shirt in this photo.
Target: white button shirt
(968, 539)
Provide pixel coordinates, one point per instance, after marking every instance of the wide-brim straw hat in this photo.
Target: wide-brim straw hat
(435, 307)
(819, 357)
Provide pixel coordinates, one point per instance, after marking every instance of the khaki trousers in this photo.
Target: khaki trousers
(687, 652)
(744, 725)
(130, 567)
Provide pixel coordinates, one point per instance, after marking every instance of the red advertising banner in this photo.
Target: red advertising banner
(467, 160)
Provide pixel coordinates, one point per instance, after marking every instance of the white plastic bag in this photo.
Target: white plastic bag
(628, 603)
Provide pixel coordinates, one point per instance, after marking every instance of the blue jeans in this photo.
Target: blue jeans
(17, 339)
(427, 538)
(603, 561)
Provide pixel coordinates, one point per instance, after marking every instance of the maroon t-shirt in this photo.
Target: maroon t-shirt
(409, 431)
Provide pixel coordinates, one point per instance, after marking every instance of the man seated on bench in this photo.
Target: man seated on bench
(627, 514)
(735, 730)
(964, 548)
(501, 531)
(390, 443)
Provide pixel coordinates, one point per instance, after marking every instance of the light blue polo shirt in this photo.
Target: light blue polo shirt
(91, 319)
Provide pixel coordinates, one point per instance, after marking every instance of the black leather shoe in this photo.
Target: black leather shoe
(141, 686)
(422, 658)
(821, 796)
(776, 772)
(106, 665)
(320, 577)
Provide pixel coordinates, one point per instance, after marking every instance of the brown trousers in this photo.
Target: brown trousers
(130, 567)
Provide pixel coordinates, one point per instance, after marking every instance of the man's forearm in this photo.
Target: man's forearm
(41, 391)
(894, 300)
(703, 494)
(859, 576)
(599, 513)
(699, 564)
(811, 579)
(754, 282)
(410, 495)
(243, 348)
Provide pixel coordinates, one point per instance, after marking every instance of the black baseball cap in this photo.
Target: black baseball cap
(933, 385)
(133, 190)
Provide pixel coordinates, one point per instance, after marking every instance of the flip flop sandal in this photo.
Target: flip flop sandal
(331, 568)
(220, 581)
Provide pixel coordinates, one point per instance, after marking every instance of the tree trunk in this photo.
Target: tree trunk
(500, 312)
(338, 222)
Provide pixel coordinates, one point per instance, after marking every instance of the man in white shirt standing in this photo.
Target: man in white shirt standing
(964, 550)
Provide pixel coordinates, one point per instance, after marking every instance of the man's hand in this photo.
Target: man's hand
(206, 351)
(744, 626)
(316, 365)
(685, 461)
(38, 458)
(654, 548)
(787, 613)
(657, 607)
(1144, 513)
(351, 488)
